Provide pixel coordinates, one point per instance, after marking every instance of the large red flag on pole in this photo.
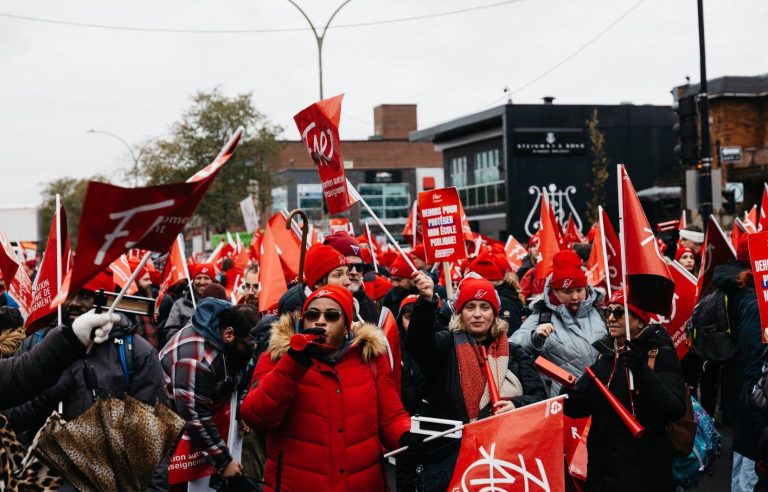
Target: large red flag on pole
(116, 219)
(517, 450)
(54, 266)
(648, 280)
(550, 239)
(175, 269)
(683, 303)
(604, 265)
(318, 125)
(715, 251)
(271, 279)
(288, 246)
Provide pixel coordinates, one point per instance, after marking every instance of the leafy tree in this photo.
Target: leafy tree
(72, 193)
(599, 168)
(194, 142)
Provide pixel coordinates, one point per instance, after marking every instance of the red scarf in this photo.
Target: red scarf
(471, 375)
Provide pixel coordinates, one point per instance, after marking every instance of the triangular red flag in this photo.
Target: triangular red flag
(750, 220)
(288, 246)
(515, 253)
(683, 303)
(550, 239)
(16, 279)
(762, 220)
(648, 280)
(715, 251)
(116, 219)
(175, 269)
(46, 288)
(523, 447)
(271, 278)
(388, 325)
(572, 233)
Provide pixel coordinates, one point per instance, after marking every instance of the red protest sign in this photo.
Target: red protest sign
(440, 217)
(758, 259)
(319, 128)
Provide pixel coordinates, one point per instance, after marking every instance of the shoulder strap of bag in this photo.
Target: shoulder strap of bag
(545, 314)
(125, 348)
(652, 357)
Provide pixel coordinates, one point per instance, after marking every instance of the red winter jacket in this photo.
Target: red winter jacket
(325, 424)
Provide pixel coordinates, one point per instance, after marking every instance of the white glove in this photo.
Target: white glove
(98, 324)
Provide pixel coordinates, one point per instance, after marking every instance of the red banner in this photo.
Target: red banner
(271, 278)
(16, 279)
(758, 258)
(549, 233)
(683, 303)
(515, 253)
(318, 125)
(46, 286)
(521, 450)
(715, 251)
(440, 217)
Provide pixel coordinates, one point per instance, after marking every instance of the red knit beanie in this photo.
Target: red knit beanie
(681, 250)
(366, 256)
(338, 294)
(400, 268)
(742, 249)
(501, 261)
(343, 243)
(477, 289)
(566, 271)
(202, 269)
(411, 299)
(617, 297)
(102, 280)
(320, 261)
(486, 268)
(419, 252)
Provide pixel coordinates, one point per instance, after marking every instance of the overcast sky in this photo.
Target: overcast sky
(60, 80)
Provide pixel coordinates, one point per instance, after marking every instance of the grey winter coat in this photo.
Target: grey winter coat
(181, 312)
(570, 344)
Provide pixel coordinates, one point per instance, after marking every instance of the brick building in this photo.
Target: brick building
(387, 169)
(738, 112)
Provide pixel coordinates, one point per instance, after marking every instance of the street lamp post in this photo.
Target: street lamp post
(127, 146)
(320, 37)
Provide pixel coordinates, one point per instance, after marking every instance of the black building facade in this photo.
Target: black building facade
(502, 160)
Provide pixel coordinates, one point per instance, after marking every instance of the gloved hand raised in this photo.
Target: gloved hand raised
(634, 358)
(91, 323)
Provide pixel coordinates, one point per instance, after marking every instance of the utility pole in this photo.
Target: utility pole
(705, 177)
(320, 37)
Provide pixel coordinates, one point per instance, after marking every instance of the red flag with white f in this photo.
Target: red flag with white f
(521, 450)
(650, 285)
(116, 219)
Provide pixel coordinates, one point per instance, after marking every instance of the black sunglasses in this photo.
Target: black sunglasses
(330, 315)
(617, 313)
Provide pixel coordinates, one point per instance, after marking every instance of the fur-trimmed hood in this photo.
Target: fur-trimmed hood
(10, 340)
(367, 336)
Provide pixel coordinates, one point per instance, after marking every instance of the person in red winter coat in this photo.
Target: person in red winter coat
(330, 409)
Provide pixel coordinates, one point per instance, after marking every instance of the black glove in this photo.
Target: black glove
(634, 358)
(415, 442)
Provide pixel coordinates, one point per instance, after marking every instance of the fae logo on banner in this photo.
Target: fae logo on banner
(440, 217)
(758, 259)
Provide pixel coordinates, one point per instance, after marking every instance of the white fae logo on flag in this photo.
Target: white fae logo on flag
(489, 474)
(318, 148)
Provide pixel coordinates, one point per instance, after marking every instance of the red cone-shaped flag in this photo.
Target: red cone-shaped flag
(650, 285)
(715, 251)
(271, 277)
(549, 236)
(572, 233)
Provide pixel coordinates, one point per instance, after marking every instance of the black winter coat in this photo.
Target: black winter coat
(510, 308)
(435, 353)
(22, 377)
(394, 297)
(367, 308)
(616, 460)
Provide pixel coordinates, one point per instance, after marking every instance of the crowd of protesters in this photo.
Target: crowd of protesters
(318, 414)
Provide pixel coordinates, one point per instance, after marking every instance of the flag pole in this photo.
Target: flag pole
(360, 199)
(601, 225)
(622, 243)
(186, 270)
(373, 250)
(448, 280)
(58, 255)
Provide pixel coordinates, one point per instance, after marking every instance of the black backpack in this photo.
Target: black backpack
(709, 330)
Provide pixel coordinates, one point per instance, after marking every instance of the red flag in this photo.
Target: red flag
(318, 125)
(16, 279)
(237, 272)
(762, 221)
(521, 450)
(288, 247)
(737, 231)
(605, 259)
(515, 253)
(750, 220)
(715, 251)
(175, 269)
(121, 272)
(116, 219)
(388, 325)
(572, 233)
(465, 228)
(412, 229)
(271, 277)
(683, 303)
(46, 286)
(650, 285)
(758, 259)
(254, 249)
(550, 239)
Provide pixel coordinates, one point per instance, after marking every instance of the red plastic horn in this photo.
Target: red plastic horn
(629, 420)
(557, 373)
(299, 342)
(492, 388)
